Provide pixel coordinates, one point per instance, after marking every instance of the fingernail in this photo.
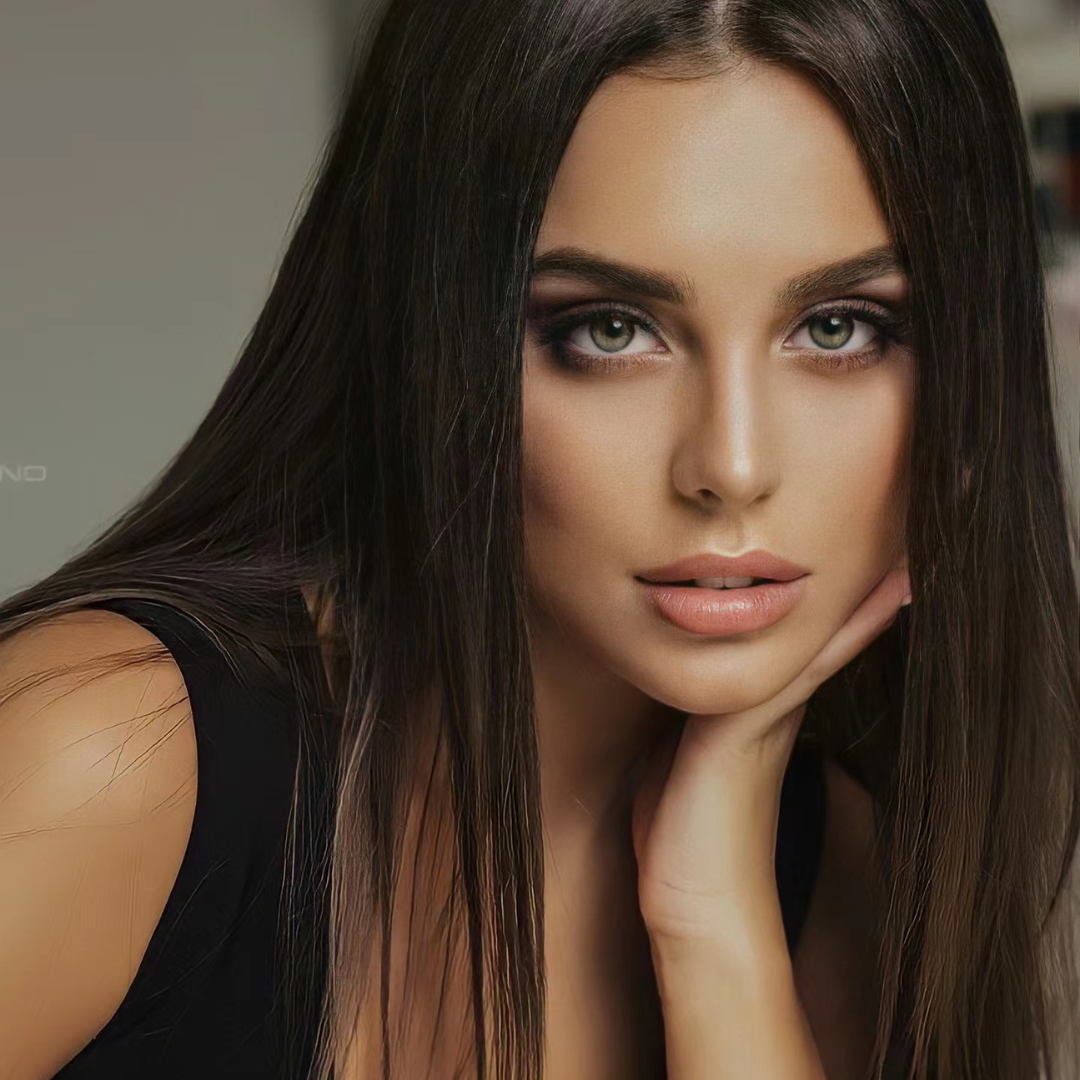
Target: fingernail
(906, 600)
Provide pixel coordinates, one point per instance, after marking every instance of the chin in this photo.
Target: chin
(721, 677)
(718, 694)
(708, 701)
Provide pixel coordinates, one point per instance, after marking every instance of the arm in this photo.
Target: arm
(733, 1012)
(726, 982)
(97, 794)
(834, 965)
(705, 821)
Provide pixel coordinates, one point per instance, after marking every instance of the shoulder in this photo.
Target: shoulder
(835, 960)
(97, 794)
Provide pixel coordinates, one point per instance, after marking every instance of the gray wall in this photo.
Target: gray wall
(151, 156)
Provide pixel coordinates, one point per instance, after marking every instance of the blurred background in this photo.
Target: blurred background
(153, 155)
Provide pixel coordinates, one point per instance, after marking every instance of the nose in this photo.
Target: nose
(726, 453)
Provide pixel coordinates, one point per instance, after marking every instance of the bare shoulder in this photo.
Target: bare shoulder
(97, 796)
(835, 960)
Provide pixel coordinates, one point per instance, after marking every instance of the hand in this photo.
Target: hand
(706, 811)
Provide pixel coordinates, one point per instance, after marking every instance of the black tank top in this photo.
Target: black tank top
(206, 1001)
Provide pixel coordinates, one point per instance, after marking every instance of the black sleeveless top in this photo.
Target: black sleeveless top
(206, 1001)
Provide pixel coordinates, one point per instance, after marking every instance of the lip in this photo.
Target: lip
(755, 563)
(719, 612)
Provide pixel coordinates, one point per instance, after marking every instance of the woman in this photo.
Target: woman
(584, 290)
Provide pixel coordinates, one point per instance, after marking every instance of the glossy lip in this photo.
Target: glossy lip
(719, 612)
(757, 563)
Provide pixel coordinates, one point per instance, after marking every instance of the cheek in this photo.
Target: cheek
(851, 472)
(562, 488)
(585, 479)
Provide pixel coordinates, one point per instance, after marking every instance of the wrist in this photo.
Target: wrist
(735, 1007)
(741, 930)
(744, 960)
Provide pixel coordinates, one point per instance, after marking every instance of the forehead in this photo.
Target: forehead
(753, 170)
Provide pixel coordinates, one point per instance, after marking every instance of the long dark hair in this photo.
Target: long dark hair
(368, 439)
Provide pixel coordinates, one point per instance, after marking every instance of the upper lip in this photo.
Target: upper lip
(762, 564)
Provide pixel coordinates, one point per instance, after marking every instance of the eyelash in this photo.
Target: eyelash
(891, 328)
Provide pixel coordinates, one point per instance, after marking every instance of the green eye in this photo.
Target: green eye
(610, 332)
(831, 331)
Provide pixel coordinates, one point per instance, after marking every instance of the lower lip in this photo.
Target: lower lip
(725, 611)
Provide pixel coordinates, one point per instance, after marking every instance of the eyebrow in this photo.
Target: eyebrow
(610, 273)
(841, 276)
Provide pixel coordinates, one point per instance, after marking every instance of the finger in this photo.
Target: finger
(869, 620)
(768, 722)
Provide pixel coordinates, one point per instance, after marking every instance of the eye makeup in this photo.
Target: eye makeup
(554, 333)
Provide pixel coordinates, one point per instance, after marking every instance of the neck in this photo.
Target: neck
(593, 729)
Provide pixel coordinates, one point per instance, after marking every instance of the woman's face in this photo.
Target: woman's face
(747, 413)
